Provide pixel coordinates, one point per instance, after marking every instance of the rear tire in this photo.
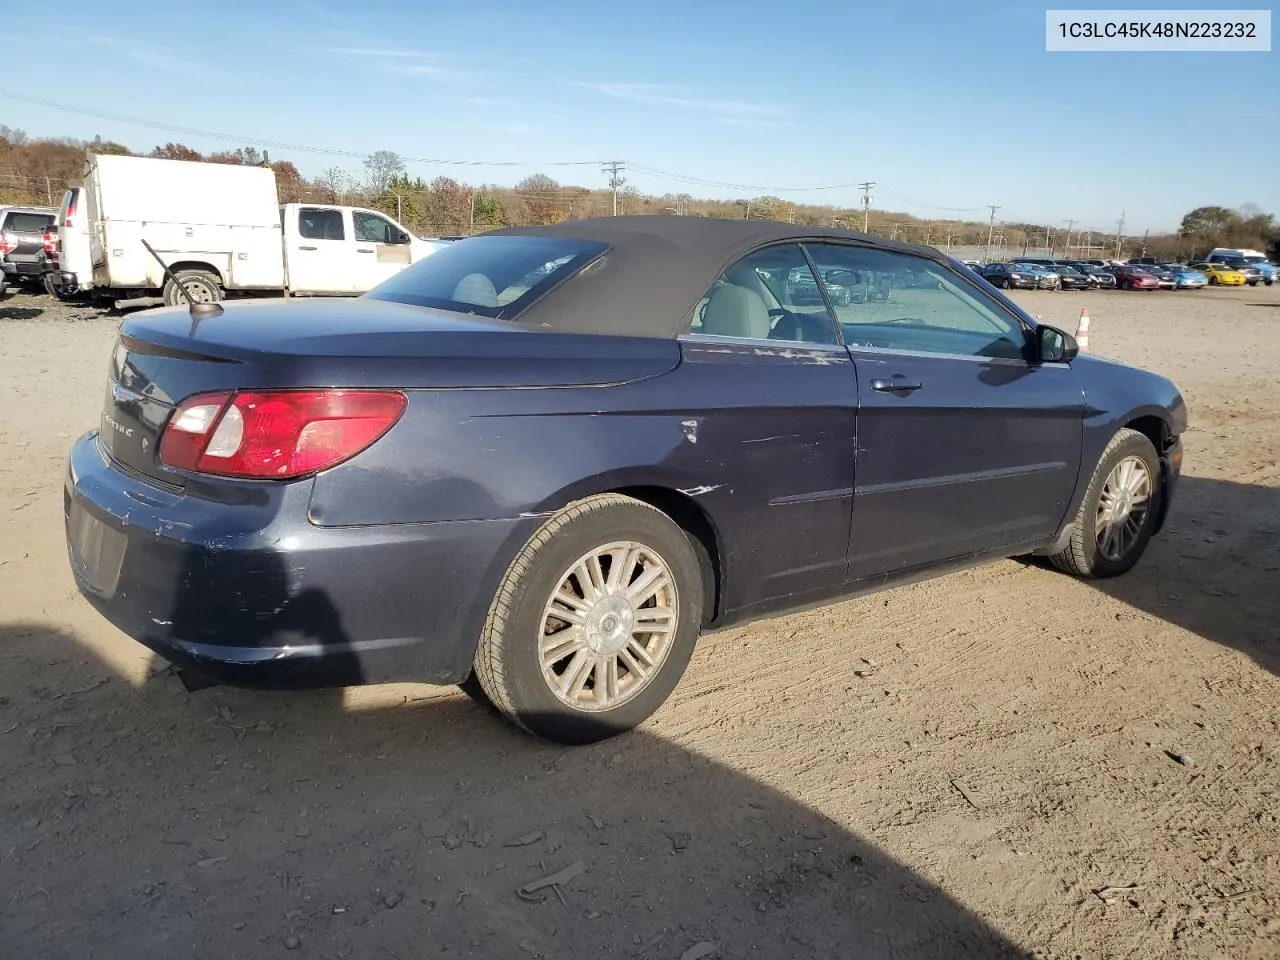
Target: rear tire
(1099, 548)
(203, 286)
(58, 290)
(555, 678)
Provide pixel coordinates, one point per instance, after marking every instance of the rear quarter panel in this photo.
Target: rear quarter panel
(763, 445)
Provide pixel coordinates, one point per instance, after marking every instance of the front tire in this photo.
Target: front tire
(594, 622)
(203, 286)
(1119, 511)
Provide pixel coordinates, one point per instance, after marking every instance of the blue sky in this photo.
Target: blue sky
(942, 104)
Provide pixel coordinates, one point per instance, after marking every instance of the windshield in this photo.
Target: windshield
(492, 276)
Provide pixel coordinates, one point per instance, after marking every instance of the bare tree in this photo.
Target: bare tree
(541, 198)
(333, 184)
(382, 166)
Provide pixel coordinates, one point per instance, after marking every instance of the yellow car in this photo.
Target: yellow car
(1220, 273)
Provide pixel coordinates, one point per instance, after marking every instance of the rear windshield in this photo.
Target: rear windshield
(27, 222)
(493, 276)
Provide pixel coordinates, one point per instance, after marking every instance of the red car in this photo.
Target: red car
(1132, 277)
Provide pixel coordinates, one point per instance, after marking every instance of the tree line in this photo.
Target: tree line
(37, 170)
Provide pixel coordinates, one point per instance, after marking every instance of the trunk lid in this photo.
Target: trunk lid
(163, 357)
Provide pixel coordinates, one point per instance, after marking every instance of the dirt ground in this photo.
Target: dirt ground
(1004, 762)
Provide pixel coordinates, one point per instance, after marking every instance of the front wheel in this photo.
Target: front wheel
(1118, 513)
(594, 623)
(201, 285)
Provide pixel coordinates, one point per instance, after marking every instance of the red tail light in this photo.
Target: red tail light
(7, 243)
(276, 434)
(50, 239)
(71, 209)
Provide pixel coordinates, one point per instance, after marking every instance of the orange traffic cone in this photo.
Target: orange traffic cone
(1082, 329)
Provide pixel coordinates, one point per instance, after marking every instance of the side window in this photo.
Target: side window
(314, 224)
(369, 227)
(895, 301)
(770, 294)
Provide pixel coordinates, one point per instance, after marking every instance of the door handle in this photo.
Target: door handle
(896, 384)
(306, 248)
(364, 249)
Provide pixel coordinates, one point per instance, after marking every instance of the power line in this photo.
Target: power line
(725, 184)
(276, 144)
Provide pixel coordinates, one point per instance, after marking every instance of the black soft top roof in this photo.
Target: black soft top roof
(658, 266)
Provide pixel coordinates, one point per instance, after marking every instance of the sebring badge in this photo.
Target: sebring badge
(116, 425)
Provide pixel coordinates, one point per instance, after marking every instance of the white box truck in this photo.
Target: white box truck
(222, 231)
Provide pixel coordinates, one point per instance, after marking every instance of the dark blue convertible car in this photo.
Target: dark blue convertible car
(542, 461)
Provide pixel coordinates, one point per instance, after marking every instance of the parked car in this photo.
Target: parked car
(1009, 276)
(1220, 275)
(804, 289)
(1253, 272)
(1164, 277)
(1129, 277)
(69, 264)
(1071, 278)
(1046, 279)
(1254, 258)
(22, 242)
(1099, 276)
(1186, 278)
(646, 444)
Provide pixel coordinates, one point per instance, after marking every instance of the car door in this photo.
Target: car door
(964, 445)
(321, 252)
(778, 427)
(377, 256)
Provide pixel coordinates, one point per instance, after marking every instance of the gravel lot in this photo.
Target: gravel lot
(979, 766)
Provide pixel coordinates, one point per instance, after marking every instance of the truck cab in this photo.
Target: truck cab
(331, 249)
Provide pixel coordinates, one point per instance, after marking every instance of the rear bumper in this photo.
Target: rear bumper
(23, 268)
(251, 594)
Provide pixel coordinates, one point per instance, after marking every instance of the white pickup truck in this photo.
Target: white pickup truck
(222, 231)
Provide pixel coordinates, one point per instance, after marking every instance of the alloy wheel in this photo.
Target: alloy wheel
(1122, 507)
(608, 626)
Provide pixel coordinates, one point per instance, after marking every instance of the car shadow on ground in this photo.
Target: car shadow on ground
(1215, 567)
(148, 822)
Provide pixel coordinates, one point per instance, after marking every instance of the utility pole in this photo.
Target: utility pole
(472, 227)
(991, 229)
(1070, 224)
(1144, 242)
(1120, 234)
(614, 169)
(866, 204)
(948, 239)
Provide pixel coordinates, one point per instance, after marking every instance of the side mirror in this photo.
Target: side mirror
(843, 278)
(1055, 346)
(396, 235)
